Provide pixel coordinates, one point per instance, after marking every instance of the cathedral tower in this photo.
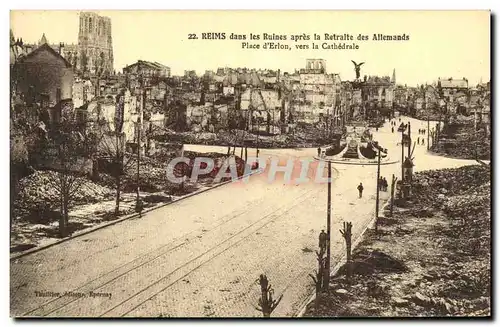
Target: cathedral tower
(95, 44)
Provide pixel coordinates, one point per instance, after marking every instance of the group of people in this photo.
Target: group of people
(382, 184)
(393, 124)
(421, 131)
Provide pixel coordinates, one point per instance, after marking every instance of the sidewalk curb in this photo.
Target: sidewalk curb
(342, 259)
(129, 216)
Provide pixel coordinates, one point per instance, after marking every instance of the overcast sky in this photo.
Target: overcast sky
(442, 44)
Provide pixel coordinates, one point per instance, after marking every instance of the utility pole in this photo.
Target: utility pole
(428, 127)
(393, 184)
(327, 121)
(475, 133)
(139, 123)
(326, 275)
(409, 140)
(378, 190)
(258, 132)
(402, 152)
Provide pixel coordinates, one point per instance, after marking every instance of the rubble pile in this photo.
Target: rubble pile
(434, 261)
(467, 206)
(433, 116)
(303, 135)
(38, 200)
(432, 187)
(41, 186)
(462, 279)
(461, 140)
(153, 174)
(464, 196)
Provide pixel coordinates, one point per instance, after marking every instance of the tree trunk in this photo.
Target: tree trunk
(95, 170)
(62, 217)
(66, 208)
(118, 187)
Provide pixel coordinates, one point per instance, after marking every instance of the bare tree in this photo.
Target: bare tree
(113, 148)
(68, 152)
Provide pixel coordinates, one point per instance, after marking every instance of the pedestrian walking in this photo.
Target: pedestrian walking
(418, 140)
(322, 240)
(392, 129)
(360, 190)
(385, 184)
(423, 142)
(319, 152)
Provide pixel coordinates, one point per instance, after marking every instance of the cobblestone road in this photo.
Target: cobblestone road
(200, 257)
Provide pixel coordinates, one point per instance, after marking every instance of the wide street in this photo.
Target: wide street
(201, 257)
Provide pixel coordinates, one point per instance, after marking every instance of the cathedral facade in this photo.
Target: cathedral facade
(94, 52)
(95, 44)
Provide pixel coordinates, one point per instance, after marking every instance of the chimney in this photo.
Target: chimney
(61, 49)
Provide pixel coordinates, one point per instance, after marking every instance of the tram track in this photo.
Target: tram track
(138, 262)
(58, 305)
(232, 241)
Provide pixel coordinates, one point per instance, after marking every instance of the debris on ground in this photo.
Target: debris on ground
(435, 261)
(36, 208)
(460, 139)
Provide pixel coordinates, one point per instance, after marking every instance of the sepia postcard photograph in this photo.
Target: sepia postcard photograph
(250, 164)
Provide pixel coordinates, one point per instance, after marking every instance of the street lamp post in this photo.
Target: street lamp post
(428, 118)
(402, 151)
(258, 132)
(139, 123)
(378, 190)
(409, 140)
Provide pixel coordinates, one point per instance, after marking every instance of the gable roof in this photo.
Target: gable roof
(454, 83)
(154, 65)
(45, 47)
